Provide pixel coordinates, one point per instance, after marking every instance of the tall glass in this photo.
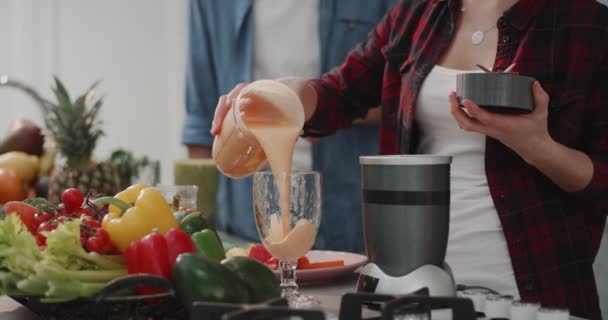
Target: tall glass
(304, 217)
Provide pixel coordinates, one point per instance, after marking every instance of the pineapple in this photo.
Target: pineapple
(75, 129)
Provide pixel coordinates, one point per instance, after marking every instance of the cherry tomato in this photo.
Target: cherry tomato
(43, 217)
(91, 223)
(46, 226)
(99, 242)
(61, 219)
(72, 198)
(93, 244)
(40, 240)
(108, 248)
(64, 212)
(103, 235)
(83, 212)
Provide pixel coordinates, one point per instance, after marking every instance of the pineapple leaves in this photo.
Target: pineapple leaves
(75, 126)
(63, 98)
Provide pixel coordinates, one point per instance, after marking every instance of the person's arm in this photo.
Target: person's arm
(584, 172)
(371, 119)
(341, 95)
(348, 92)
(201, 89)
(595, 135)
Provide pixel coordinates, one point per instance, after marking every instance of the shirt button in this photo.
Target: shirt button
(503, 197)
(529, 286)
(505, 39)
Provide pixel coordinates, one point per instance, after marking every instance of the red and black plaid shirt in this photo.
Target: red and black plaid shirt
(552, 235)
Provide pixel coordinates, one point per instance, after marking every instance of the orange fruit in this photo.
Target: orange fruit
(11, 186)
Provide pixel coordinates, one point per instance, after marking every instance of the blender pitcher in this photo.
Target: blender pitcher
(236, 150)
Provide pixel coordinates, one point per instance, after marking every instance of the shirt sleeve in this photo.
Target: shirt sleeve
(350, 90)
(201, 87)
(596, 135)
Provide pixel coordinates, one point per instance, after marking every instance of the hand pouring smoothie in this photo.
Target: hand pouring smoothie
(264, 124)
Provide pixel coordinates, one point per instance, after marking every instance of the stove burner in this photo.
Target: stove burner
(271, 313)
(392, 307)
(351, 308)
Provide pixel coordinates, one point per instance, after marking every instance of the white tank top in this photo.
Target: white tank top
(286, 43)
(477, 249)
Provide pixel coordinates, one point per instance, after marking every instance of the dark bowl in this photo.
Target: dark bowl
(115, 301)
(118, 301)
(497, 92)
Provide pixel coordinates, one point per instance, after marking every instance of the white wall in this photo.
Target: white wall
(136, 47)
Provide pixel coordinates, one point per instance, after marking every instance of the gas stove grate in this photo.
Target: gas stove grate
(351, 308)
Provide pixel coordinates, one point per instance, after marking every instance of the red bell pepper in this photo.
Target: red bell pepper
(156, 254)
(178, 242)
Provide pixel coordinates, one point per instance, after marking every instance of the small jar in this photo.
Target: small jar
(524, 310)
(478, 296)
(553, 314)
(498, 306)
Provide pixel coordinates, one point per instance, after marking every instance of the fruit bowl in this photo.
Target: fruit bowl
(115, 301)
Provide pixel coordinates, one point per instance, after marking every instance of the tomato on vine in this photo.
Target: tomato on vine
(72, 198)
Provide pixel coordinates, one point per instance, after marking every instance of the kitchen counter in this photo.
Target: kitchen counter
(329, 294)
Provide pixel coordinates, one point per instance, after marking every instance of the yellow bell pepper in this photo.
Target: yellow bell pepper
(134, 213)
(129, 195)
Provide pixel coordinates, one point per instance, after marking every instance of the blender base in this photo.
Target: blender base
(428, 279)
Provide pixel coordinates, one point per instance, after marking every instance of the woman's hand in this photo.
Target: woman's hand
(526, 134)
(301, 87)
(223, 105)
(529, 137)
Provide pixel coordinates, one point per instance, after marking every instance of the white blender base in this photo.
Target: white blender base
(439, 282)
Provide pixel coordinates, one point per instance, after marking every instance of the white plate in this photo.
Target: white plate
(352, 261)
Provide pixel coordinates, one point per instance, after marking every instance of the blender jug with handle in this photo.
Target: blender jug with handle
(236, 150)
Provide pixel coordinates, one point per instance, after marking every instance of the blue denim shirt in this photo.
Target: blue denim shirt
(221, 56)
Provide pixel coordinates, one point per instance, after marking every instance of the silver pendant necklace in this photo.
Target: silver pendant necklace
(478, 36)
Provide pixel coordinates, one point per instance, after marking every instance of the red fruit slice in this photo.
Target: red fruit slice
(322, 264)
(303, 261)
(26, 213)
(259, 253)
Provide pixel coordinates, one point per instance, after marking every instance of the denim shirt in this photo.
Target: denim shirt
(221, 55)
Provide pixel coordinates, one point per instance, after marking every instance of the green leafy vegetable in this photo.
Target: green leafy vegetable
(18, 249)
(63, 247)
(63, 271)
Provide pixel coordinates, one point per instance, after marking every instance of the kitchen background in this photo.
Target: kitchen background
(137, 48)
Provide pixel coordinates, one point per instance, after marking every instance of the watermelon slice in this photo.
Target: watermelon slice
(259, 253)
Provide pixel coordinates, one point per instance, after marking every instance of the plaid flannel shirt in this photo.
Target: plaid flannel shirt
(552, 236)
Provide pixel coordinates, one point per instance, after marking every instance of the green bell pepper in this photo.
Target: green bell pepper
(208, 243)
(194, 222)
(198, 278)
